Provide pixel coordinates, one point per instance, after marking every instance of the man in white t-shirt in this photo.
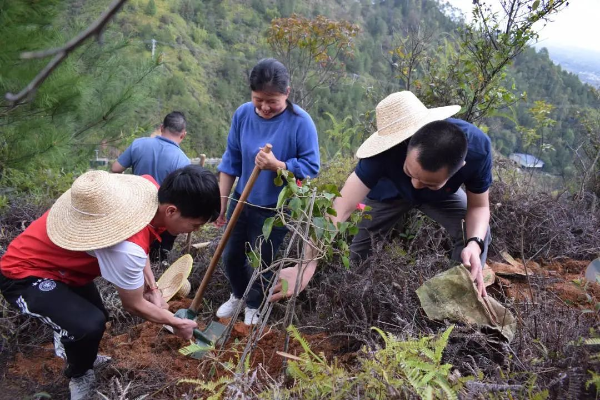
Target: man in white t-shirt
(102, 226)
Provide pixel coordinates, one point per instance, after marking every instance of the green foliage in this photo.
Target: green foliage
(304, 205)
(43, 185)
(88, 100)
(400, 369)
(312, 50)
(150, 8)
(339, 139)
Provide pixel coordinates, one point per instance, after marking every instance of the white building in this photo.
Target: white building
(526, 160)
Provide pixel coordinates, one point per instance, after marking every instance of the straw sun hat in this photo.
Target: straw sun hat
(101, 210)
(399, 116)
(174, 280)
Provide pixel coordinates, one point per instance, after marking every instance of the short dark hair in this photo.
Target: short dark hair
(270, 75)
(440, 144)
(175, 122)
(194, 191)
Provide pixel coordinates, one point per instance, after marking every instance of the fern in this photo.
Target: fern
(399, 369)
(215, 387)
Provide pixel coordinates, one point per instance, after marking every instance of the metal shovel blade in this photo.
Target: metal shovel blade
(205, 340)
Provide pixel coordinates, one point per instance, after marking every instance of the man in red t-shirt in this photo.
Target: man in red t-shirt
(102, 226)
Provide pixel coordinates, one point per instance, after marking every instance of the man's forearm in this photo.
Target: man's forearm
(151, 312)
(149, 276)
(477, 221)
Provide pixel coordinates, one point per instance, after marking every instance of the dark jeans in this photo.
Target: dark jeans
(75, 312)
(243, 237)
(449, 213)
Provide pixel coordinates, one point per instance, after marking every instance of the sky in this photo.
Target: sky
(576, 26)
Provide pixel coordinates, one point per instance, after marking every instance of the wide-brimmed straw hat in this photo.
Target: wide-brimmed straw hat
(101, 210)
(399, 116)
(175, 278)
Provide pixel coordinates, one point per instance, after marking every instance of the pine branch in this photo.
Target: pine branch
(61, 53)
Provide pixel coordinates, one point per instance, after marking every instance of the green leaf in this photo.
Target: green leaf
(284, 286)
(267, 227)
(295, 204)
(535, 5)
(253, 259)
(278, 181)
(342, 226)
(319, 223)
(331, 211)
(283, 195)
(346, 262)
(353, 230)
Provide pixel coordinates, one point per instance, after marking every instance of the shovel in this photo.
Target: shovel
(205, 340)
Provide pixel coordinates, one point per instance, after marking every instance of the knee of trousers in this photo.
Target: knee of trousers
(91, 326)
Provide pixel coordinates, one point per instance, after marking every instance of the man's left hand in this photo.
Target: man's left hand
(470, 258)
(155, 297)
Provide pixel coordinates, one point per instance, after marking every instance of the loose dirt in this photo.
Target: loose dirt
(149, 353)
(148, 348)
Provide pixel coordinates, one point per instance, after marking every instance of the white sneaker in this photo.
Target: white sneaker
(251, 316)
(82, 386)
(228, 308)
(59, 350)
(101, 360)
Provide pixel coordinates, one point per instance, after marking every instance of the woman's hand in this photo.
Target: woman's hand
(221, 220)
(268, 161)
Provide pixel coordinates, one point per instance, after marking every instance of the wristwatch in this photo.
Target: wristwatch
(477, 240)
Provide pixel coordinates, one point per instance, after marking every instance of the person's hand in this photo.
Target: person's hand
(290, 275)
(470, 258)
(184, 328)
(221, 220)
(268, 161)
(155, 297)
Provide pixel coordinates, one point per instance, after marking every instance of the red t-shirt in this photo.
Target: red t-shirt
(32, 253)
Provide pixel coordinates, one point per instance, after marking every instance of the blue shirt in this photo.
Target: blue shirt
(294, 140)
(384, 172)
(156, 156)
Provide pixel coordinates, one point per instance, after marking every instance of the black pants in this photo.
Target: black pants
(159, 250)
(75, 312)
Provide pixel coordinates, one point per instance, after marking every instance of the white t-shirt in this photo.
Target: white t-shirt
(122, 264)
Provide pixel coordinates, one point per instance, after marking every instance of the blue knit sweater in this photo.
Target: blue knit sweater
(294, 140)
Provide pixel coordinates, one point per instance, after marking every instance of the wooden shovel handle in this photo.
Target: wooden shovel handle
(230, 225)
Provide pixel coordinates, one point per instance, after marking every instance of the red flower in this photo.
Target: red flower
(299, 182)
(360, 206)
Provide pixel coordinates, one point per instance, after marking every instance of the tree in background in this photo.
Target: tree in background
(312, 50)
(151, 8)
(472, 69)
(88, 99)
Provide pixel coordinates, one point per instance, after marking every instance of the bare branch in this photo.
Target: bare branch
(62, 52)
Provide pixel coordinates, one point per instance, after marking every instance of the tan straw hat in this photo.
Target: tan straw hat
(101, 210)
(175, 277)
(399, 116)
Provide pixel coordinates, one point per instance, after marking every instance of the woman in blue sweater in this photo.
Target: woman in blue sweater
(269, 118)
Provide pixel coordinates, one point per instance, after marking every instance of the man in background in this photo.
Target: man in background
(157, 156)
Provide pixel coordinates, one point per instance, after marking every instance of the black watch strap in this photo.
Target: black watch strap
(477, 240)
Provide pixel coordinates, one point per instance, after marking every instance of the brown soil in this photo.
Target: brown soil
(148, 347)
(565, 280)
(149, 351)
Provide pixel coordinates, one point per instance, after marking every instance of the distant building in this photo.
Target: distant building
(526, 160)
